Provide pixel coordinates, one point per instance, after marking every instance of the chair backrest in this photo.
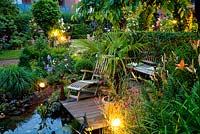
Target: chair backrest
(100, 67)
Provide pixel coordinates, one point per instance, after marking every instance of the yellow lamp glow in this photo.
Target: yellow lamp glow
(42, 84)
(174, 21)
(116, 122)
(62, 39)
(55, 33)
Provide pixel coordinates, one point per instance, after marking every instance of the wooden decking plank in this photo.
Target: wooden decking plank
(91, 116)
(80, 114)
(89, 106)
(81, 102)
(84, 109)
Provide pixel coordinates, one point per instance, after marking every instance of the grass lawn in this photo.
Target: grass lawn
(9, 54)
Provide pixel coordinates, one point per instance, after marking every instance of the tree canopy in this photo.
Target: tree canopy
(46, 14)
(116, 11)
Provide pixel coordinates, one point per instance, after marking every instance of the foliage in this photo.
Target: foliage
(169, 103)
(46, 14)
(173, 115)
(145, 17)
(16, 80)
(173, 103)
(113, 11)
(24, 58)
(36, 53)
(8, 8)
(116, 47)
(62, 66)
(86, 64)
(8, 14)
(67, 17)
(43, 111)
(79, 31)
(177, 8)
(18, 40)
(35, 30)
(4, 106)
(7, 27)
(116, 12)
(22, 22)
(45, 62)
(114, 44)
(162, 42)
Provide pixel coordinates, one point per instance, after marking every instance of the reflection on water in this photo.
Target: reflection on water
(33, 124)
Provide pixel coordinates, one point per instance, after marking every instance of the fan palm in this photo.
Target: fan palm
(117, 46)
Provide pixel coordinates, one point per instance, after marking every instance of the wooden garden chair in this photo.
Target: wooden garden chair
(89, 86)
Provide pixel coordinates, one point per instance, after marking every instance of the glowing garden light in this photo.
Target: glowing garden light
(116, 122)
(62, 39)
(55, 33)
(42, 84)
(174, 21)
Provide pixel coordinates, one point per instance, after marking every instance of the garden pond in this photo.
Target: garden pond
(32, 123)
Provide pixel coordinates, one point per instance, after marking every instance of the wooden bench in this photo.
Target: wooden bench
(146, 66)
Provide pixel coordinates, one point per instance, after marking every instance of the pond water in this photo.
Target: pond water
(32, 123)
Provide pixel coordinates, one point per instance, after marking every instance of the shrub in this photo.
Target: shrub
(46, 14)
(161, 42)
(22, 22)
(83, 64)
(67, 17)
(24, 59)
(79, 31)
(86, 64)
(16, 80)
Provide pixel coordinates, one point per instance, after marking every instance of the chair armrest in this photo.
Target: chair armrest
(84, 73)
(148, 62)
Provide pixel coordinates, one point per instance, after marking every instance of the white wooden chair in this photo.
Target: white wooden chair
(89, 86)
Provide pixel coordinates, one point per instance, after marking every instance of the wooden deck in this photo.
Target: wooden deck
(89, 106)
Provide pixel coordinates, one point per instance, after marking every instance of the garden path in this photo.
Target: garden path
(8, 62)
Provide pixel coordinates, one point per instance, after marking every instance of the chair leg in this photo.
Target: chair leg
(78, 96)
(68, 95)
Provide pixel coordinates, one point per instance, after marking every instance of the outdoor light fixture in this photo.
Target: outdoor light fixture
(116, 122)
(42, 84)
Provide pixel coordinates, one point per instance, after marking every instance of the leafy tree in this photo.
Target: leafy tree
(8, 8)
(22, 22)
(109, 10)
(115, 11)
(8, 13)
(46, 14)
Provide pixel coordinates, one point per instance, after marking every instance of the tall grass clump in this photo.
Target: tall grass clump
(16, 80)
